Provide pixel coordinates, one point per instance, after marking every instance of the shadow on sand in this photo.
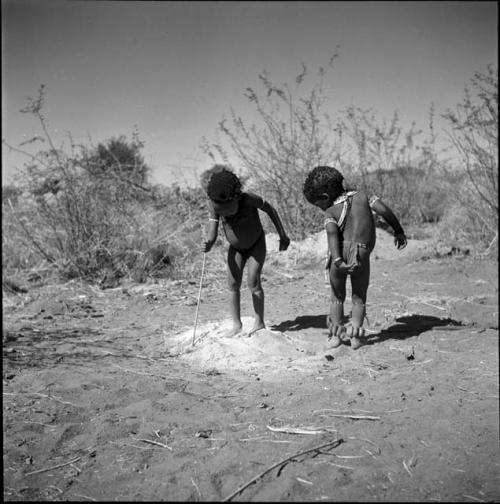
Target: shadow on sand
(412, 325)
(301, 322)
(405, 327)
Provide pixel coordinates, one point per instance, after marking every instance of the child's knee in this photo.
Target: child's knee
(358, 299)
(254, 285)
(234, 285)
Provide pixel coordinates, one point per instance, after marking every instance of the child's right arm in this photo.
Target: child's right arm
(387, 214)
(333, 237)
(213, 227)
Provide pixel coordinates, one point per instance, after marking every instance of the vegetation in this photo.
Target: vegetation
(91, 212)
(474, 133)
(295, 133)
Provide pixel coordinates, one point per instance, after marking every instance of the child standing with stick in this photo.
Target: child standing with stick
(350, 230)
(239, 214)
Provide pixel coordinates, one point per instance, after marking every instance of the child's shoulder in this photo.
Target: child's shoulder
(252, 199)
(344, 197)
(250, 194)
(364, 198)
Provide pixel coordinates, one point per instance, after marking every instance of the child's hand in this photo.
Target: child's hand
(400, 241)
(284, 242)
(208, 245)
(347, 269)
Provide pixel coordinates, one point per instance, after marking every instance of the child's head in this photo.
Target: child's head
(223, 188)
(322, 185)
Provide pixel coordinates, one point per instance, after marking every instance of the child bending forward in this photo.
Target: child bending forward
(239, 214)
(350, 229)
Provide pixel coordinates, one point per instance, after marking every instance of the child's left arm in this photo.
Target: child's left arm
(273, 215)
(387, 214)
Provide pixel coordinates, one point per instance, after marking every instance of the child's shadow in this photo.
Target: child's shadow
(405, 327)
(302, 322)
(409, 326)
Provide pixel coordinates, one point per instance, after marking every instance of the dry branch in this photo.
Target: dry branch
(54, 467)
(153, 442)
(357, 417)
(297, 430)
(331, 444)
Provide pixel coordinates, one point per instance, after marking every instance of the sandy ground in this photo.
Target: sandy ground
(105, 397)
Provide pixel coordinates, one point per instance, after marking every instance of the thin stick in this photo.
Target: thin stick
(357, 417)
(340, 466)
(153, 442)
(295, 430)
(336, 443)
(196, 486)
(199, 296)
(86, 497)
(406, 467)
(54, 467)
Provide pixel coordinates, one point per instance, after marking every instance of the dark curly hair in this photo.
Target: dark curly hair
(320, 180)
(220, 183)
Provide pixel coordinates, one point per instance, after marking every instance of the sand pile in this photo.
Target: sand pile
(267, 348)
(213, 350)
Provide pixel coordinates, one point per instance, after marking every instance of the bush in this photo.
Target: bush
(295, 134)
(474, 133)
(91, 212)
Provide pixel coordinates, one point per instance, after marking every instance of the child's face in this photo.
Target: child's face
(226, 208)
(324, 202)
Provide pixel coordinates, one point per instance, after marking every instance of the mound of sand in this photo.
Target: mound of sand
(264, 348)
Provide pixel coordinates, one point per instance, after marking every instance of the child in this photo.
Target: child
(239, 214)
(350, 229)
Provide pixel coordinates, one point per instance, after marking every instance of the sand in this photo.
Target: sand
(265, 348)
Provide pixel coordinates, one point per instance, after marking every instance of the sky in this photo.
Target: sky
(173, 69)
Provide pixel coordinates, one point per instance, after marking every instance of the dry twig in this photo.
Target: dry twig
(332, 444)
(406, 467)
(357, 417)
(297, 430)
(196, 486)
(53, 467)
(85, 497)
(150, 441)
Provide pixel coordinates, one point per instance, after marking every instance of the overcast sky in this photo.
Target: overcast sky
(173, 69)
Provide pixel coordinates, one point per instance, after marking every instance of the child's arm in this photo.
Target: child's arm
(213, 228)
(333, 238)
(387, 214)
(273, 215)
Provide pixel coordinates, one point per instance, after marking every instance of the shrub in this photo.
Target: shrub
(474, 133)
(91, 212)
(295, 133)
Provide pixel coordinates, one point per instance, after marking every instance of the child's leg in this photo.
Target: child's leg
(255, 264)
(338, 291)
(235, 263)
(359, 282)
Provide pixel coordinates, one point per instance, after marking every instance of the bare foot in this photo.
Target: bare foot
(234, 331)
(334, 342)
(257, 326)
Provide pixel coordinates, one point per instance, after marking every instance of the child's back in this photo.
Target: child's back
(357, 225)
(350, 229)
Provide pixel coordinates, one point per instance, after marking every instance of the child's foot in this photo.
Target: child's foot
(234, 331)
(334, 342)
(355, 343)
(257, 327)
(354, 334)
